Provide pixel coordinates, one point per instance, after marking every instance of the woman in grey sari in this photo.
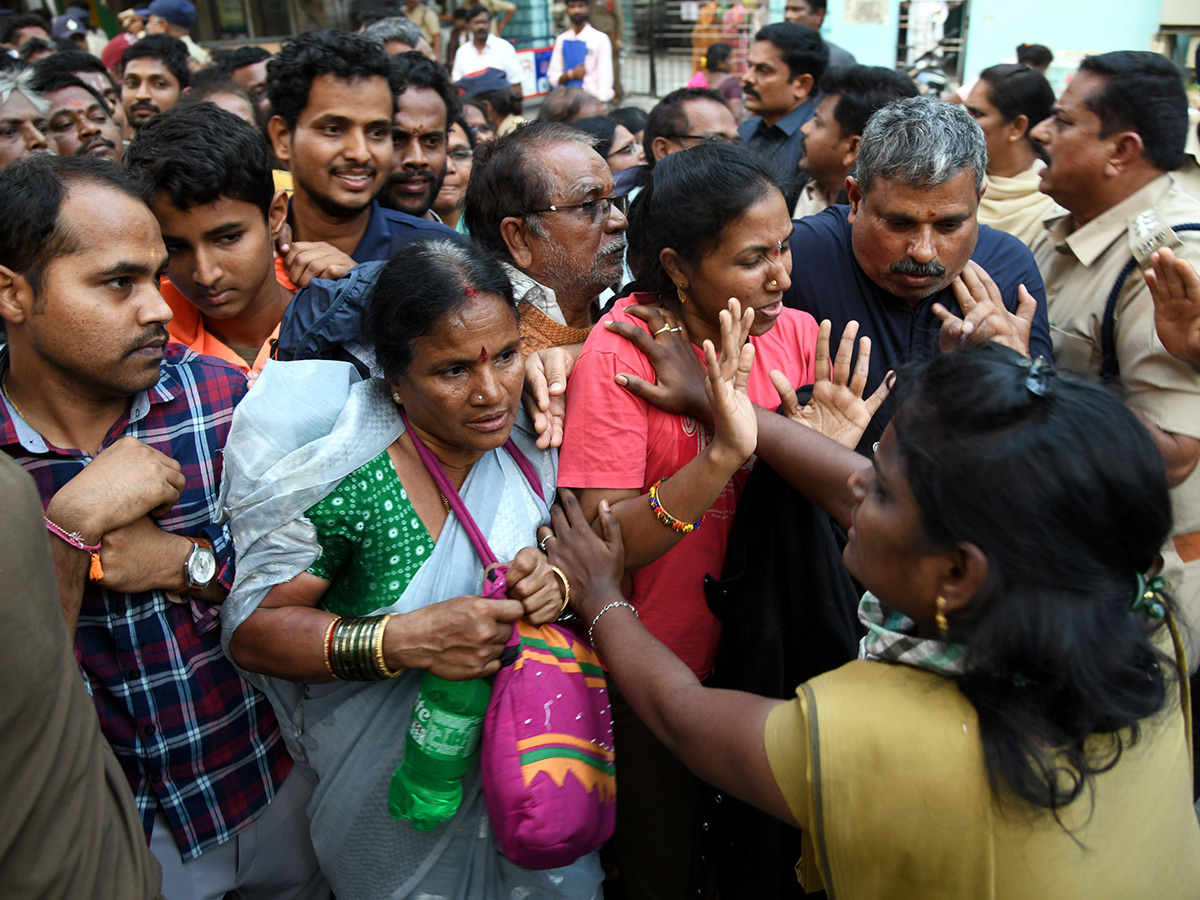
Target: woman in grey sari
(338, 525)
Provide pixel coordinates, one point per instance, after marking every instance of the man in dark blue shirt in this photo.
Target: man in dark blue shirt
(333, 106)
(780, 86)
(900, 256)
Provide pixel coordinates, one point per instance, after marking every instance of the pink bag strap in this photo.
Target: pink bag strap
(442, 480)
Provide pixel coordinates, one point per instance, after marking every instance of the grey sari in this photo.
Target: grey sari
(303, 428)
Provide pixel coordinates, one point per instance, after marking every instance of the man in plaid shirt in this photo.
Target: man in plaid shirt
(122, 433)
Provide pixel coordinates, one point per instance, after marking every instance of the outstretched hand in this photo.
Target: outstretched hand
(837, 409)
(734, 421)
(985, 317)
(679, 387)
(593, 563)
(1175, 290)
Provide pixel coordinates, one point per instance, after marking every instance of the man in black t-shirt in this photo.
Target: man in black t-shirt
(908, 247)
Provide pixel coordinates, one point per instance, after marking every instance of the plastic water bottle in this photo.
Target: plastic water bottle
(441, 743)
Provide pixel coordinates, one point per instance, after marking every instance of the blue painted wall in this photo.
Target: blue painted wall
(1071, 28)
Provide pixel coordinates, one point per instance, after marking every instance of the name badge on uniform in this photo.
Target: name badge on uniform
(1148, 234)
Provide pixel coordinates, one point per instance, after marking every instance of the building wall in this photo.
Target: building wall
(1071, 28)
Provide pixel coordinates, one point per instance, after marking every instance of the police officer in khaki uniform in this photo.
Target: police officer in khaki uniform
(607, 16)
(1109, 170)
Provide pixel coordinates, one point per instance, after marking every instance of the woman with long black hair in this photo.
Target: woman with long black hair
(1016, 724)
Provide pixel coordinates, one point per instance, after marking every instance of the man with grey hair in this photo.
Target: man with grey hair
(907, 258)
(23, 122)
(541, 199)
(397, 35)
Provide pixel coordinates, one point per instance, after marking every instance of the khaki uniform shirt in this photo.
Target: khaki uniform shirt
(1079, 267)
(812, 200)
(498, 9)
(1188, 175)
(607, 16)
(425, 19)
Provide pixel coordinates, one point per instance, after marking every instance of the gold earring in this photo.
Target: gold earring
(396, 396)
(679, 292)
(940, 616)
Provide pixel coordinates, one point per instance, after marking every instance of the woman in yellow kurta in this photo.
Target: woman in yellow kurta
(1015, 726)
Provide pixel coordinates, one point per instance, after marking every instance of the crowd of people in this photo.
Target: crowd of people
(830, 413)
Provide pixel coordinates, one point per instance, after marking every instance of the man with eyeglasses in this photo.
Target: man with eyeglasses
(686, 118)
(541, 198)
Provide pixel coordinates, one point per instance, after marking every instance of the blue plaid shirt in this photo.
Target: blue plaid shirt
(193, 737)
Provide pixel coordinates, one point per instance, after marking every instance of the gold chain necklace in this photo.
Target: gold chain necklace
(11, 401)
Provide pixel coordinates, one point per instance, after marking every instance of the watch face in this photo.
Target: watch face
(202, 566)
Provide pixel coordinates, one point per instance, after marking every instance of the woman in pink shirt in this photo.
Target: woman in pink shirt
(711, 226)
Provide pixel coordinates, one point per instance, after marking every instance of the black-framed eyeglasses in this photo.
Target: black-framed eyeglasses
(629, 149)
(717, 138)
(600, 208)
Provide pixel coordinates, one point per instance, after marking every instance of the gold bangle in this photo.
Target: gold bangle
(347, 652)
(354, 649)
(328, 645)
(360, 649)
(380, 663)
(566, 587)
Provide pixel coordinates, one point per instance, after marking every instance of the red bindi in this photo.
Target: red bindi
(483, 354)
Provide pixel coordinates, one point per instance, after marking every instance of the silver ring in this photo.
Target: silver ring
(542, 542)
(676, 329)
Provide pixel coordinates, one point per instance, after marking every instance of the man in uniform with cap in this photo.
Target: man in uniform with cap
(499, 99)
(175, 17)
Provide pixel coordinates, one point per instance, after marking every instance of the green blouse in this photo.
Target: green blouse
(372, 541)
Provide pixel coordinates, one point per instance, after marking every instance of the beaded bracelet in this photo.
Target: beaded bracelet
(665, 517)
(603, 610)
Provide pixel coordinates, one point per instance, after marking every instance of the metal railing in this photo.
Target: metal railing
(666, 40)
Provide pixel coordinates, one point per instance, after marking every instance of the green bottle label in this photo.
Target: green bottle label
(443, 734)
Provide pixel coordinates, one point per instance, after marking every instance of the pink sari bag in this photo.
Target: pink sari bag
(549, 766)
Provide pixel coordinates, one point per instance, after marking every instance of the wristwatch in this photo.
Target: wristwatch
(201, 566)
